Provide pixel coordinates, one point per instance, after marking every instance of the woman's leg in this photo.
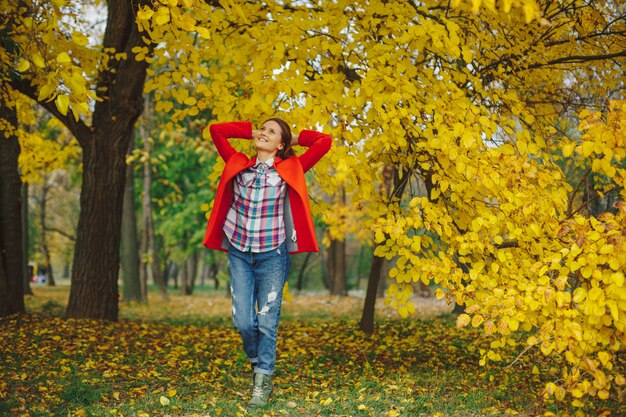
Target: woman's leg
(240, 265)
(270, 272)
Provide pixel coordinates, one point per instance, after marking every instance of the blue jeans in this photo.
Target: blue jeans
(256, 283)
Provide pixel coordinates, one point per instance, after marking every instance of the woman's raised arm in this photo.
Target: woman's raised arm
(318, 143)
(221, 132)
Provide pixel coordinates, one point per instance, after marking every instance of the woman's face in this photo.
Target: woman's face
(268, 138)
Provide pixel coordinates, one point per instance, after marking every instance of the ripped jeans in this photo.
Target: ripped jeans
(256, 283)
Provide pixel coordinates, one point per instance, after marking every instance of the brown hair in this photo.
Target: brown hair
(285, 138)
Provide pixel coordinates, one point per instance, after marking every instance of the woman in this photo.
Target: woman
(261, 214)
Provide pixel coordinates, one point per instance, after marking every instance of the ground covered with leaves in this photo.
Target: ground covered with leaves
(182, 358)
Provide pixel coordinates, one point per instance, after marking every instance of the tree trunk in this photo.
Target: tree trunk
(337, 276)
(300, 282)
(213, 270)
(391, 188)
(184, 276)
(358, 269)
(27, 289)
(367, 317)
(43, 204)
(382, 282)
(11, 247)
(129, 245)
(94, 290)
(150, 260)
(337, 267)
(189, 272)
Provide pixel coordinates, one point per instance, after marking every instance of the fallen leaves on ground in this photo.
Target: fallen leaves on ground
(325, 367)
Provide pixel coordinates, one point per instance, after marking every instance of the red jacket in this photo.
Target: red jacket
(298, 220)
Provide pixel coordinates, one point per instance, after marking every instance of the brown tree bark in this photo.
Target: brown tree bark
(94, 291)
(300, 282)
(392, 187)
(337, 267)
(43, 205)
(130, 246)
(189, 272)
(11, 249)
(27, 289)
(336, 260)
(148, 241)
(369, 307)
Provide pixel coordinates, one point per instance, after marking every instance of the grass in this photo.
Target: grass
(182, 358)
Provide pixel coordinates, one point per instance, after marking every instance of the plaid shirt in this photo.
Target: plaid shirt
(255, 220)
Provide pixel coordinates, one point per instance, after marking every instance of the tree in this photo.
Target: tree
(11, 268)
(49, 45)
(463, 105)
(132, 289)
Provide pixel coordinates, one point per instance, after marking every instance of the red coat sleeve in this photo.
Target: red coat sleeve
(318, 144)
(221, 132)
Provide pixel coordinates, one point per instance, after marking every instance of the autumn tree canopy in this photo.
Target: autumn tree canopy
(481, 109)
(478, 115)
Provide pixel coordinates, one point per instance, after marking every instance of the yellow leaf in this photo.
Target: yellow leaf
(23, 65)
(559, 394)
(463, 320)
(532, 340)
(79, 39)
(204, 32)
(477, 320)
(145, 13)
(529, 10)
(171, 393)
(63, 58)
(604, 357)
(513, 324)
(162, 16)
(38, 60)
(476, 5)
(286, 293)
(62, 102)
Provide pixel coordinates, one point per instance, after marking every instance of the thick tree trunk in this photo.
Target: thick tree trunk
(94, 291)
(367, 317)
(11, 249)
(130, 245)
(43, 205)
(27, 289)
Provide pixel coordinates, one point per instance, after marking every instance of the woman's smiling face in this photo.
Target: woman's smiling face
(268, 138)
